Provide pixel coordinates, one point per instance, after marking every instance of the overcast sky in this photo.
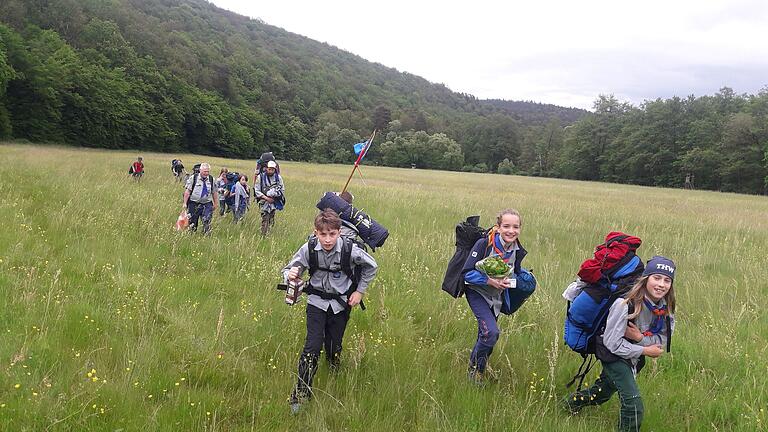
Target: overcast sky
(562, 52)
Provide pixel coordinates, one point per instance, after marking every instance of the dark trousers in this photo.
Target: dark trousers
(324, 330)
(196, 211)
(267, 221)
(616, 377)
(487, 330)
(238, 213)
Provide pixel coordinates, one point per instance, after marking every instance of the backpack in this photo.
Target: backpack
(346, 267)
(370, 231)
(467, 234)
(261, 163)
(614, 268)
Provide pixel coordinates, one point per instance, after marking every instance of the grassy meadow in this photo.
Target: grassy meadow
(112, 321)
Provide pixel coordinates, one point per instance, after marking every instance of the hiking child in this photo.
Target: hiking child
(200, 198)
(484, 294)
(268, 188)
(242, 194)
(639, 324)
(137, 169)
(332, 294)
(221, 187)
(178, 169)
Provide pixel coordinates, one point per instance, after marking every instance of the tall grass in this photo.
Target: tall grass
(111, 320)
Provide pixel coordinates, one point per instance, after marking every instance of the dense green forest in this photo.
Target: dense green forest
(184, 75)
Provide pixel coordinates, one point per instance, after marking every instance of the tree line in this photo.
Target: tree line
(185, 76)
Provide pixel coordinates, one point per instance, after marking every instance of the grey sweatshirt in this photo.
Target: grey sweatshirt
(333, 281)
(616, 325)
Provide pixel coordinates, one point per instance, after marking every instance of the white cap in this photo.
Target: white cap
(271, 164)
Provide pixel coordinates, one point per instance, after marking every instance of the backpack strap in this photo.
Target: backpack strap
(311, 244)
(346, 267)
(669, 333)
(588, 361)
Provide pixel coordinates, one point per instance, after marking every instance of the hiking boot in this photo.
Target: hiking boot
(295, 408)
(571, 404)
(296, 401)
(476, 377)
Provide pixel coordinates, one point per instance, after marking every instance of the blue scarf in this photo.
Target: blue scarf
(659, 313)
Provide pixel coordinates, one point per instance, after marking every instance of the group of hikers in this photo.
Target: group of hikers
(620, 310)
(229, 192)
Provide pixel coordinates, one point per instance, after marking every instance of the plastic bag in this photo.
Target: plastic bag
(493, 266)
(182, 222)
(574, 289)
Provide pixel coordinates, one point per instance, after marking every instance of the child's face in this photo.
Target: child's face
(327, 237)
(242, 180)
(270, 171)
(658, 286)
(509, 228)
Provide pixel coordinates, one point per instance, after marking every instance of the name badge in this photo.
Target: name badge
(513, 282)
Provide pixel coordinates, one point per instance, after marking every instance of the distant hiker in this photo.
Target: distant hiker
(268, 188)
(177, 168)
(200, 198)
(221, 187)
(332, 293)
(137, 169)
(688, 182)
(484, 294)
(639, 324)
(262, 161)
(242, 195)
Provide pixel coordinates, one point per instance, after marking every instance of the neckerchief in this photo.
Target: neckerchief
(659, 313)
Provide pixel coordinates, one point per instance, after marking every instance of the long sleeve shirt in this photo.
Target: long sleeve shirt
(616, 325)
(334, 281)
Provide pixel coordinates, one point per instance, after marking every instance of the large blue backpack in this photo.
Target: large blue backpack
(586, 315)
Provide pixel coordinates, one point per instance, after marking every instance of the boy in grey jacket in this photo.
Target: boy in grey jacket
(332, 294)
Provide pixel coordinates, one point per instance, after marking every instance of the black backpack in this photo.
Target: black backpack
(261, 163)
(467, 234)
(346, 267)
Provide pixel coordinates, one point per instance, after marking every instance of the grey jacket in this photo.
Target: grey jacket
(616, 325)
(333, 281)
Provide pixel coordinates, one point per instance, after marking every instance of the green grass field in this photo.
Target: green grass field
(111, 320)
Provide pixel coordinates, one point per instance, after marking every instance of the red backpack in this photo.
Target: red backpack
(608, 255)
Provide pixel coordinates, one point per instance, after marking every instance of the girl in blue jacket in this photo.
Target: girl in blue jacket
(484, 293)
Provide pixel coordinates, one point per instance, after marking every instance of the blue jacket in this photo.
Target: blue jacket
(480, 251)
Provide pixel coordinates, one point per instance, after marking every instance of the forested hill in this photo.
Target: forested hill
(530, 112)
(186, 75)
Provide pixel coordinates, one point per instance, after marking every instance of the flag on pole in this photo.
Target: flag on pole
(359, 147)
